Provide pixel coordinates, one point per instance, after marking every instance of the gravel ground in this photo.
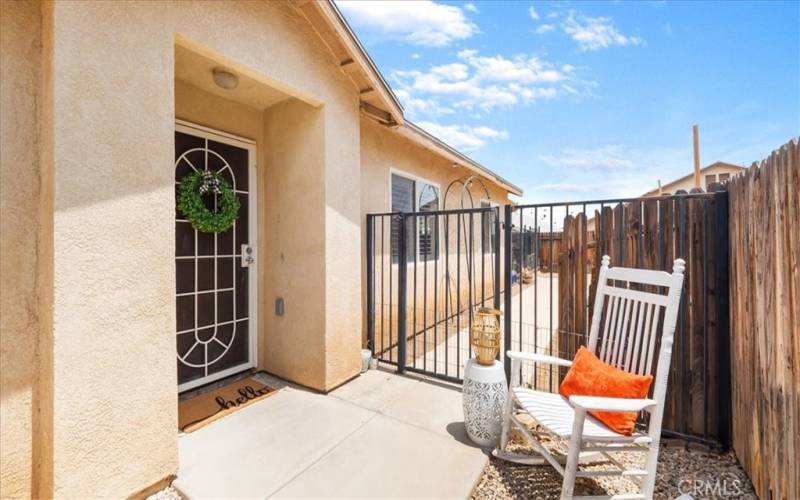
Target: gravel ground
(168, 493)
(680, 471)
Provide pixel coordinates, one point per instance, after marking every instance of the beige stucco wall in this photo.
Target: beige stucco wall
(89, 389)
(384, 150)
(25, 250)
(114, 379)
(316, 274)
(111, 361)
(294, 252)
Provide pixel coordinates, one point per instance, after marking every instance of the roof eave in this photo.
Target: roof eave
(379, 102)
(381, 88)
(431, 142)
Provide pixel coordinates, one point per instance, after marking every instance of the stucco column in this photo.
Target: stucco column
(293, 248)
(25, 250)
(343, 241)
(312, 242)
(113, 353)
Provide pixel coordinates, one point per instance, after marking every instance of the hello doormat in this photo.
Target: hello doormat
(202, 410)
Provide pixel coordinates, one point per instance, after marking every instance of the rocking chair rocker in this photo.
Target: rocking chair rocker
(627, 341)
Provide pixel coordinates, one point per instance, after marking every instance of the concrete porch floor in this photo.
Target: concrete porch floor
(378, 436)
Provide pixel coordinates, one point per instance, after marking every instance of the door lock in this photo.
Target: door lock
(248, 255)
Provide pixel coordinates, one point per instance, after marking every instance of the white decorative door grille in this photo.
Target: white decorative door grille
(215, 292)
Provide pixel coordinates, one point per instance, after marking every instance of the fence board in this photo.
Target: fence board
(765, 326)
(650, 234)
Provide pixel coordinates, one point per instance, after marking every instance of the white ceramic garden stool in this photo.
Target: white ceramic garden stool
(484, 398)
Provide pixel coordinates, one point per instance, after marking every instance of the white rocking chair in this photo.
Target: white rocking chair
(628, 340)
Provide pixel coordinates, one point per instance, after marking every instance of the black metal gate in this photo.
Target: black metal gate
(553, 254)
(426, 274)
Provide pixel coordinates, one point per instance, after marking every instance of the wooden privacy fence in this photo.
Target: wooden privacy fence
(765, 322)
(650, 233)
(537, 250)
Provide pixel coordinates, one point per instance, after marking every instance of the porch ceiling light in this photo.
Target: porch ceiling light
(225, 79)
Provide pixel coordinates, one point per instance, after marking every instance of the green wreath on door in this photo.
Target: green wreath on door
(190, 202)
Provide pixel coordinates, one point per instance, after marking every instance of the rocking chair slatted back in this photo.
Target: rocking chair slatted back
(630, 317)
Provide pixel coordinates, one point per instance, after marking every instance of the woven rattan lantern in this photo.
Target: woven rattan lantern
(485, 335)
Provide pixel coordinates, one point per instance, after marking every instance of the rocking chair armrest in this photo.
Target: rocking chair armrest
(538, 358)
(613, 405)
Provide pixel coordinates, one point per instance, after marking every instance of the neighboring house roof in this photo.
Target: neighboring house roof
(376, 96)
(717, 164)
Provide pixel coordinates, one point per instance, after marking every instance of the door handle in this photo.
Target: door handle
(248, 255)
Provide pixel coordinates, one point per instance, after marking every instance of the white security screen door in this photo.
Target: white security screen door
(215, 285)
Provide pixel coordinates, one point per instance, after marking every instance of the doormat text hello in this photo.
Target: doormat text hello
(246, 394)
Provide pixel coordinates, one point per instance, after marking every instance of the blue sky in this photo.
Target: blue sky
(580, 100)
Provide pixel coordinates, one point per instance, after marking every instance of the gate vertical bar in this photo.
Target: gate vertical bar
(435, 294)
(391, 283)
(470, 277)
(459, 219)
(507, 292)
(721, 258)
(414, 299)
(402, 262)
(446, 290)
(483, 259)
(383, 303)
(424, 298)
(496, 243)
(370, 284)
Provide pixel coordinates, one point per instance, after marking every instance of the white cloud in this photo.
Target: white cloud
(416, 106)
(564, 186)
(415, 56)
(545, 28)
(521, 69)
(532, 12)
(451, 72)
(471, 7)
(464, 137)
(420, 23)
(594, 33)
(611, 171)
(612, 157)
(489, 82)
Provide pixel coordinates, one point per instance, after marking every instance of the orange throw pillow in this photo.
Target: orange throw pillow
(589, 376)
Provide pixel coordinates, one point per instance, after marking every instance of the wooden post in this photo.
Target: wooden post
(696, 134)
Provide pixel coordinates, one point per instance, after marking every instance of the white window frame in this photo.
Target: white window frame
(417, 180)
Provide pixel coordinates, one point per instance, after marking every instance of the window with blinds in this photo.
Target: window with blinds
(402, 201)
(427, 226)
(410, 195)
